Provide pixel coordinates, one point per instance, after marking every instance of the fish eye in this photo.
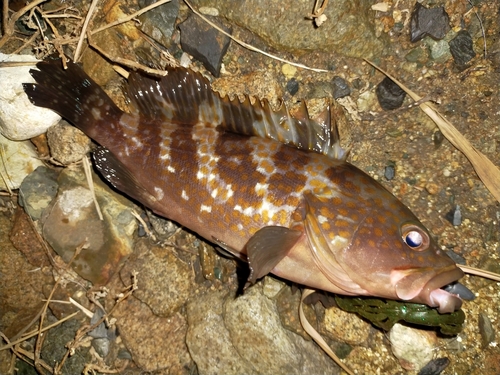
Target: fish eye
(415, 237)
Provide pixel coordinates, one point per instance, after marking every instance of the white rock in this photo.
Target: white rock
(413, 347)
(19, 119)
(17, 160)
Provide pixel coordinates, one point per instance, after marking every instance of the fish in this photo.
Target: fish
(270, 188)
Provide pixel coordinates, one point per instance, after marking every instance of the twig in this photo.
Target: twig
(9, 26)
(29, 41)
(482, 27)
(36, 332)
(76, 57)
(315, 335)
(5, 15)
(90, 183)
(130, 17)
(248, 46)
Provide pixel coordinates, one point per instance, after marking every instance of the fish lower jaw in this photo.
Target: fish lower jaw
(444, 301)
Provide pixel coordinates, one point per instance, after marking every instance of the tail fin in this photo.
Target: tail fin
(72, 94)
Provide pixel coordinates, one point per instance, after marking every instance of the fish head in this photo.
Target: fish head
(366, 242)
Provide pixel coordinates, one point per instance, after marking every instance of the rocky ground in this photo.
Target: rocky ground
(175, 305)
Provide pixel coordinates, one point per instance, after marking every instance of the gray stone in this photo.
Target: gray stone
(486, 329)
(204, 43)
(433, 22)
(159, 23)
(37, 191)
(462, 49)
(340, 87)
(389, 94)
(72, 221)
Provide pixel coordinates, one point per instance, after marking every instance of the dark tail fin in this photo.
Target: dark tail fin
(72, 94)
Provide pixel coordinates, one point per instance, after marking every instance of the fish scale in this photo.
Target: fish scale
(272, 189)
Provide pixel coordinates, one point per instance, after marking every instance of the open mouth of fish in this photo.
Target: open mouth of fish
(441, 291)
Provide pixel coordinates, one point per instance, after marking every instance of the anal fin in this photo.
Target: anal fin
(267, 247)
(118, 175)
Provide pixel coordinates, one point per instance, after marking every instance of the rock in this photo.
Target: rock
(72, 220)
(159, 23)
(389, 94)
(19, 159)
(244, 335)
(292, 86)
(166, 282)
(37, 191)
(435, 367)
(439, 50)
(208, 339)
(25, 239)
(348, 31)
(21, 296)
(461, 48)
(413, 347)
(389, 172)
(340, 87)
(346, 327)
(163, 228)
(433, 22)
(19, 119)
(258, 336)
(67, 144)
(486, 329)
(205, 43)
(54, 348)
(156, 343)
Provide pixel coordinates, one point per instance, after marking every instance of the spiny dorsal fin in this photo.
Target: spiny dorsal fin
(185, 97)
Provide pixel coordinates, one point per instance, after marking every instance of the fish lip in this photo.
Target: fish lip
(434, 296)
(411, 286)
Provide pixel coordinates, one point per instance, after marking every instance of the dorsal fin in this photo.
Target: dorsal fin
(185, 97)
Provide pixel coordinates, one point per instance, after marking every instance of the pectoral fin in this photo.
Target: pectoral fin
(267, 248)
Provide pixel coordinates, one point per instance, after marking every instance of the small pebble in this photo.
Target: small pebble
(389, 94)
(435, 367)
(432, 188)
(288, 71)
(486, 329)
(292, 86)
(340, 87)
(454, 216)
(433, 22)
(461, 48)
(389, 172)
(437, 138)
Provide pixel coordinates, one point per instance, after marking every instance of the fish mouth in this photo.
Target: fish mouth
(411, 286)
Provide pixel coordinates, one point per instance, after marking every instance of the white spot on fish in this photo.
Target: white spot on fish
(211, 176)
(339, 241)
(214, 193)
(238, 208)
(199, 175)
(171, 169)
(259, 187)
(205, 208)
(136, 141)
(322, 219)
(184, 195)
(96, 113)
(230, 191)
(240, 226)
(159, 193)
(165, 156)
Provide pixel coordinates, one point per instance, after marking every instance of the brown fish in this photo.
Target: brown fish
(265, 186)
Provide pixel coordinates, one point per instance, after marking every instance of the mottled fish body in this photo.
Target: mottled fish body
(268, 187)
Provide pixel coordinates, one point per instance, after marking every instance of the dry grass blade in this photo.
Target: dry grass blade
(485, 169)
(479, 272)
(88, 175)
(316, 336)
